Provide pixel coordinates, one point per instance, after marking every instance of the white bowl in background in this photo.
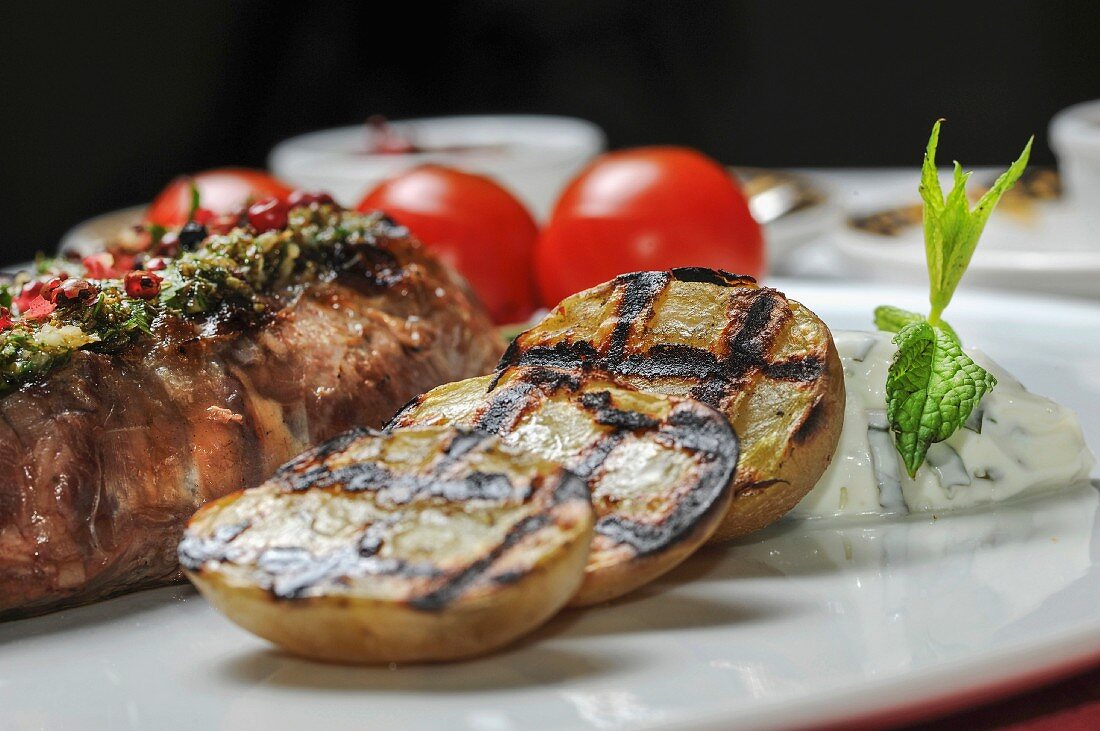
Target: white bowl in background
(533, 156)
(1075, 138)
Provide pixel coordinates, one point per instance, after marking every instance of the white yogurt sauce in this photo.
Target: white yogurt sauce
(1014, 442)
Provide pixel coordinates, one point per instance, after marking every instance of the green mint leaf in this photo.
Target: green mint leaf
(5, 294)
(893, 319)
(951, 228)
(932, 195)
(931, 388)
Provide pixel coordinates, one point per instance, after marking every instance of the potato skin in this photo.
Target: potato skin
(808, 454)
(524, 404)
(425, 545)
(766, 361)
(357, 630)
(609, 582)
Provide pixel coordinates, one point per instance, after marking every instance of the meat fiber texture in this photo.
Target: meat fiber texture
(104, 460)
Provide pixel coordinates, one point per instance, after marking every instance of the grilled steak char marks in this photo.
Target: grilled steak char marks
(452, 481)
(104, 458)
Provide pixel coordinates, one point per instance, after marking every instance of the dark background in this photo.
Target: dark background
(102, 103)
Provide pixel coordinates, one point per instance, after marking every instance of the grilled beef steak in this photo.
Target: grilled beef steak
(107, 450)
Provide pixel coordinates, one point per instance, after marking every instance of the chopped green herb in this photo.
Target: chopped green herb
(196, 199)
(235, 271)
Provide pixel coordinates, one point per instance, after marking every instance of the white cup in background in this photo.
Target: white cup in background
(1075, 138)
(533, 156)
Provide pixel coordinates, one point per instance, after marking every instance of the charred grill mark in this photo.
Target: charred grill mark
(403, 488)
(463, 442)
(664, 360)
(707, 434)
(506, 578)
(482, 486)
(505, 407)
(566, 355)
(719, 277)
(813, 422)
(512, 355)
(703, 432)
(591, 460)
(756, 317)
(749, 345)
(309, 460)
(712, 391)
(570, 487)
(668, 360)
(358, 477)
(404, 411)
(599, 402)
(639, 291)
(806, 369)
(440, 597)
(294, 570)
(195, 550)
(551, 379)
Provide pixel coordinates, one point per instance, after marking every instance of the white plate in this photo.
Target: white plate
(806, 624)
(94, 234)
(1053, 248)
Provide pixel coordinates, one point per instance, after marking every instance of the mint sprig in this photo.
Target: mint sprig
(951, 227)
(931, 390)
(932, 385)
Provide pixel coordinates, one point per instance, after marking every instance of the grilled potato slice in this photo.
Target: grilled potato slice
(659, 468)
(422, 545)
(767, 362)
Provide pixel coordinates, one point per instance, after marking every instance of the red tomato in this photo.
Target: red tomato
(642, 209)
(221, 191)
(474, 225)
